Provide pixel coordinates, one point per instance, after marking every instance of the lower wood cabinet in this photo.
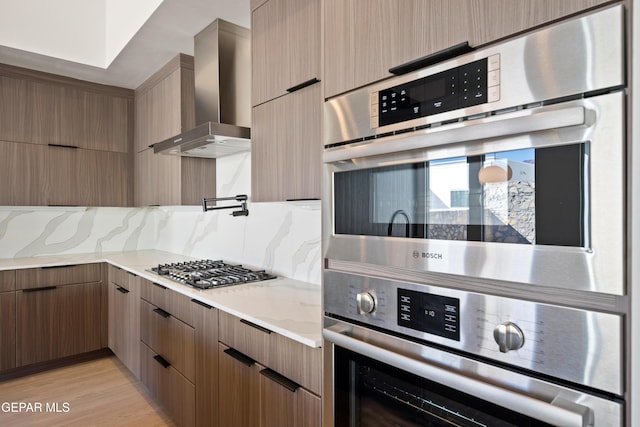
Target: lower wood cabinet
(168, 386)
(7, 330)
(124, 317)
(58, 312)
(57, 321)
(284, 403)
(178, 345)
(259, 365)
(239, 389)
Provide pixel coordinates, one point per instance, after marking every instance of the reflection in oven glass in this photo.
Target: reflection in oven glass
(411, 406)
(369, 393)
(529, 196)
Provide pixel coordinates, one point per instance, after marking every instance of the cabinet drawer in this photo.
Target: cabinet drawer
(118, 277)
(169, 387)
(285, 405)
(7, 281)
(57, 275)
(172, 302)
(298, 362)
(252, 340)
(290, 358)
(168, 336)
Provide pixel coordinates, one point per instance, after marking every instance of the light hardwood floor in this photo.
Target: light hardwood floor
(100, 392)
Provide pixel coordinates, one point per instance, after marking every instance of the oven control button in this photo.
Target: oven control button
(366, 303)
(508, 336)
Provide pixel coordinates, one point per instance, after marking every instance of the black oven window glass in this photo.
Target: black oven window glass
(372, 394)
(530, 196)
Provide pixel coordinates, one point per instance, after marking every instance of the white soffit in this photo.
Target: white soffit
(91, 32)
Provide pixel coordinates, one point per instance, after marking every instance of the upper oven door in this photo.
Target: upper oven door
(533, 196)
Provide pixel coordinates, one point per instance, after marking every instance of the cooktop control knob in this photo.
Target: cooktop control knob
(508, 336)
(366, 303)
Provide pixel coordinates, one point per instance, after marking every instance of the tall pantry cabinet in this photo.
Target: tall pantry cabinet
(286, 152)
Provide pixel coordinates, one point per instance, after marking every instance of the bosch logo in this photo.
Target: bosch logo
(428, 255)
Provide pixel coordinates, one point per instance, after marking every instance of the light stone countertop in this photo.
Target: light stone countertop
(289, 307)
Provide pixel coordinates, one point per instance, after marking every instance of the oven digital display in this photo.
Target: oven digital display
(434, 314)
(459, 87)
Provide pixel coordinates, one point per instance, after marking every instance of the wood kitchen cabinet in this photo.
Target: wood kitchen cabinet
(284, 375)
(67, 142)
(239, 389)
(286, 158)
(285, 37)
(124, 317)
(7, 320)
(37, 174)
(286, 130)
(44, 108)
(364, 38)
(58, 312)
(164, 107)
(178, 354)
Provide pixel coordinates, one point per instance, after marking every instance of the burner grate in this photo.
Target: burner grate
(208, 274)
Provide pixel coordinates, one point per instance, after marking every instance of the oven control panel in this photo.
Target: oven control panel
(434, 314)
(475, 83)
(531, 335)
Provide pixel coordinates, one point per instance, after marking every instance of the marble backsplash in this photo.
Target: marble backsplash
(284, 238)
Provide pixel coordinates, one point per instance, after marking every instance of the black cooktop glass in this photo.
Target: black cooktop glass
(208, 274)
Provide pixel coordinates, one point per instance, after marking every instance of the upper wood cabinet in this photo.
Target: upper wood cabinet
(164, 107)
(64, 141)
(44, 108)
(286, 152)
(37, 174)
(364, 38)
(285, 37)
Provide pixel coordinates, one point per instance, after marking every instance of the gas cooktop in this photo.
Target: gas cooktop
(208, 274)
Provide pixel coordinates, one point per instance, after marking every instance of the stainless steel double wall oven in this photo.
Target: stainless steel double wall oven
(474, 219)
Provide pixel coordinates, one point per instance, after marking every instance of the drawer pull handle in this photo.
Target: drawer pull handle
(240, 357)
(122, 290)
(161, 360)
(45, 288)
(162, 313)
(303, 85)
(63, 146)
(283, 381)
(431, 59)
(202, 304)
(51, 267)
(253, 325)
(159, 285)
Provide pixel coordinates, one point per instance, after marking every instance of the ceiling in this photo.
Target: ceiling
(168, 31)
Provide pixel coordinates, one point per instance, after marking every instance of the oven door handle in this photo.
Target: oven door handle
(502, 125)
(560, 412)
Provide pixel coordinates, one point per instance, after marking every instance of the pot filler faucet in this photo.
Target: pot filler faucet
(242, 198)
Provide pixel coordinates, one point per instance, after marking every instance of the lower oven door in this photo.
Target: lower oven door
(372, 379)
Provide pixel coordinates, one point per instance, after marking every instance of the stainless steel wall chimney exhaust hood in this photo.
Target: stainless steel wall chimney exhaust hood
(222, 64)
